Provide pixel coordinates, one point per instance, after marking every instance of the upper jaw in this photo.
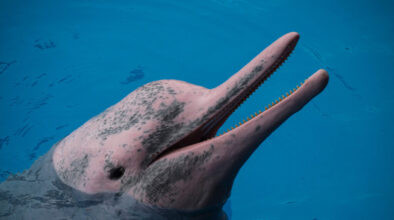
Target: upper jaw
(242, 84)
(225, 98)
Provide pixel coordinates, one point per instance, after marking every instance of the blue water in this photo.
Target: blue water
(62, 62)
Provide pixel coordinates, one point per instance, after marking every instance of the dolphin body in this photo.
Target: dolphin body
(154, 154)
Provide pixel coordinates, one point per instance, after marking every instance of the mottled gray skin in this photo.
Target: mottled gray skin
(153, 155)
(38, 193)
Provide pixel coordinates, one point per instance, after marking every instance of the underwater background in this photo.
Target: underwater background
(63, 62)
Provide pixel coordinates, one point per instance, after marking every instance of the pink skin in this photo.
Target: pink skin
(157, 143)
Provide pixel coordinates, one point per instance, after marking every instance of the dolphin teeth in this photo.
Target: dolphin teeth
(276, 66)
(291, 91)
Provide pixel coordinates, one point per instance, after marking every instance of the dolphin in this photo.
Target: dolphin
(155, 154)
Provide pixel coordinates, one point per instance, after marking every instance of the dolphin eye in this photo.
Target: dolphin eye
(116, 173)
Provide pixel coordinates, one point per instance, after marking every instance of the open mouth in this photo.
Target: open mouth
(207, 131)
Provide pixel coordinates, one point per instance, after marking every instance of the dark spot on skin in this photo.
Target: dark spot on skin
(171, 91)
(134, 112)
(116, 173)
(234, 91)
(108, 163)
(159, 139)
(228, 142)
(120, 123)
(76, 173)
(257, 128)
(172, 111)
(159, 179)
(258, 68)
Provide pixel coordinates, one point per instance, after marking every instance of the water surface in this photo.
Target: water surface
(62, 62)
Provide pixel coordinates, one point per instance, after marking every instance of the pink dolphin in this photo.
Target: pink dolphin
(158, 145)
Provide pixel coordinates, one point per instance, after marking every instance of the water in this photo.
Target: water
(62, 62)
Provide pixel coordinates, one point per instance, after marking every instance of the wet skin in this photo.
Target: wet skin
(157, 145)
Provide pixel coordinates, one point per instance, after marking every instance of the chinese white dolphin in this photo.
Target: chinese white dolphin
(155, 154)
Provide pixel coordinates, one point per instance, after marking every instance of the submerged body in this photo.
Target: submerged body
(39, 194)
(153, 155)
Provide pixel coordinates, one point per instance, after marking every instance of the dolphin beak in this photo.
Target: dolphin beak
(220, 158)
(244, 139)
(230, 94)
(262, 66)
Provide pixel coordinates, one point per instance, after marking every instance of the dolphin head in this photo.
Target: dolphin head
(159, 143)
